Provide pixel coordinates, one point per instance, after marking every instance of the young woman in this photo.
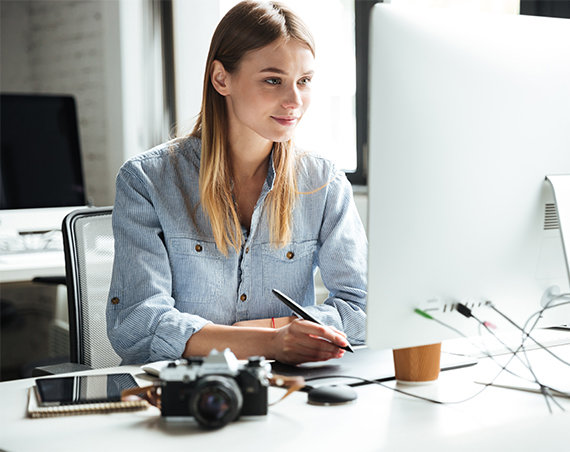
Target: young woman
(207, 225)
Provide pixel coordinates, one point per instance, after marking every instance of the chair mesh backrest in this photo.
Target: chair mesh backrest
(94, 253)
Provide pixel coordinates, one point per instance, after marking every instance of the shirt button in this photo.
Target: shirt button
(243, 297)
(290, 254)
(114, 300)
(247, 250)
(198, 247)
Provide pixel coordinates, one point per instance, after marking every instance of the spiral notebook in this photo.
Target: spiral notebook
(59, 396)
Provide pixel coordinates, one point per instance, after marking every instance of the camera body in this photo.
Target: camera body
(215, 390)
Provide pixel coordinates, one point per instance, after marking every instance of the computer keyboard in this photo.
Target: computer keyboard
(34, 242)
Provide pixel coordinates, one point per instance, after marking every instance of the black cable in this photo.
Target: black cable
(545, 390)
(539, 316)
(525, 337)
(539, 313)
(467, 312)
(486, 352)
(513, 352)
(427, 399)
(464, 310)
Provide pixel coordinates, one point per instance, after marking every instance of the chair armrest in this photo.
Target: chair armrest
(53, 280)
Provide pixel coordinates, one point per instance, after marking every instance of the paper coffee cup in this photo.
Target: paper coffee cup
(417, 364)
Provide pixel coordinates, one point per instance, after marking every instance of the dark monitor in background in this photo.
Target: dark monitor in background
(40, 158)
(468, 114)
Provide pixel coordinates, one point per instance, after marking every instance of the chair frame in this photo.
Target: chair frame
(76, 349)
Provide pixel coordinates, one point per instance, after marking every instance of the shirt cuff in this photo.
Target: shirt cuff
(172, 334)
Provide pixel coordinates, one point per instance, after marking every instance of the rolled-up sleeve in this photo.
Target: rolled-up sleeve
(342, 258)
(142, 323)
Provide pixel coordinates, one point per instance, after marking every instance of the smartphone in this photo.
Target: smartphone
(57, 391)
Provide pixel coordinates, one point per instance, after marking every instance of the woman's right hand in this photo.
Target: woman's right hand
(303, 341)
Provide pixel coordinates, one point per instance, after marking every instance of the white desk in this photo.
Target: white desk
(497, 419)
(20, 267)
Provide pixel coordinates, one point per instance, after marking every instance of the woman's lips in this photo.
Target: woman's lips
(286, 120)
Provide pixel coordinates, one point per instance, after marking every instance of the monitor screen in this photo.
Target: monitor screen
(468, 114)
(40, 159)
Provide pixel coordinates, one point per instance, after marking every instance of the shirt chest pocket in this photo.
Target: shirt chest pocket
(197, 270)
(290, 266)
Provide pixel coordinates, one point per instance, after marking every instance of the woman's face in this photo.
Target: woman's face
(270, 91)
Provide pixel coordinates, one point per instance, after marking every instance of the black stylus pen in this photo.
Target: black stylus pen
(297, 309)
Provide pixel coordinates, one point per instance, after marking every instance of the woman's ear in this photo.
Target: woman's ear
(219, 78)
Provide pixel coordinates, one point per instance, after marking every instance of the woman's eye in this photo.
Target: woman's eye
(305, 81)
(273, 81)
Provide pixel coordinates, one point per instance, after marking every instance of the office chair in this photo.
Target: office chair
(88, 246)
(89, 251)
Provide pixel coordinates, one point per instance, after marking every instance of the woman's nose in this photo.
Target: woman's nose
(292, 98)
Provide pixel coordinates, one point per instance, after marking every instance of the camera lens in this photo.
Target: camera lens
(216, 401)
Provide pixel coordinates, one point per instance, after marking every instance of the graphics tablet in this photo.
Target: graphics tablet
(364, 363)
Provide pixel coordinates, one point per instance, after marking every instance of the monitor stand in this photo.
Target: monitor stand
(561, 188)
(560, 184)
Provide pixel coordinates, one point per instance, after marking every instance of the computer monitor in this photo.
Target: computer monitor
(468, 114)
(41, 175)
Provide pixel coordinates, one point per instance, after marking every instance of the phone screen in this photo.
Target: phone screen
(84, 389)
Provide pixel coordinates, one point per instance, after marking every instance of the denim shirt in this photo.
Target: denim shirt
(169, 278)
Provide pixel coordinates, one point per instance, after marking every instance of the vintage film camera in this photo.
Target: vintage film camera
(215, 390)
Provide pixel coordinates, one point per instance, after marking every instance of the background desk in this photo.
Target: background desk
(380, 419)
(34, 316)
(20, 267)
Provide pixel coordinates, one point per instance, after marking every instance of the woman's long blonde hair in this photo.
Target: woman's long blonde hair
(248, 26)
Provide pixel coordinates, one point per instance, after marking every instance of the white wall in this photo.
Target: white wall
(55, 47)
(90, 49)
